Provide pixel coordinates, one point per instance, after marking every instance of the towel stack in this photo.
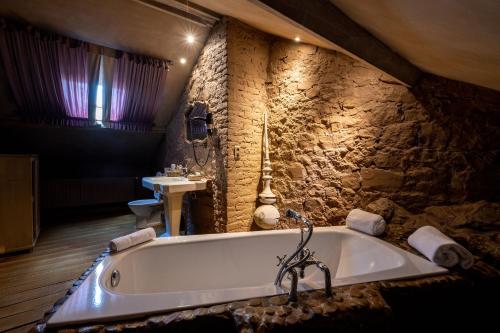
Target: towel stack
(366, 222)
(439, 248)
(135, 238)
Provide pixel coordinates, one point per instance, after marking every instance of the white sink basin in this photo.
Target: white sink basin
(166, 185)
(173, 188)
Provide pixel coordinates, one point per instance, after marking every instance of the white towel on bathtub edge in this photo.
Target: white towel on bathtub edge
(366, 222)
(138, 237)
(439, 248)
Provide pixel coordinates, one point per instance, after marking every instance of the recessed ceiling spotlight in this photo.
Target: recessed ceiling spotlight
(182, 60)
(297, 39)
(190, 39)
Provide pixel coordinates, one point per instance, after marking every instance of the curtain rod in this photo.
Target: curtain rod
(111, 52)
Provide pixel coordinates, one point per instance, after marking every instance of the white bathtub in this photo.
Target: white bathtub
(186, 271)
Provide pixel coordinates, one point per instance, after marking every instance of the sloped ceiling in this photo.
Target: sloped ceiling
(457, 39)
(122, 24)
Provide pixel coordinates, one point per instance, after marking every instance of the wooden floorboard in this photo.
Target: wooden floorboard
(21, 329)
(34, 293)
(31, 282)
(23, 318)
(31, 304)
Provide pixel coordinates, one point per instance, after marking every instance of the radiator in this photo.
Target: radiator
(88, 191)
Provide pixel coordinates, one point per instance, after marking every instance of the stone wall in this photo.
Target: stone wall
(248, 57)
(208, 82)
(230, 74)
(342, 133)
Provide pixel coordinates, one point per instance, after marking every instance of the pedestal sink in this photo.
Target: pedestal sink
(173, 188)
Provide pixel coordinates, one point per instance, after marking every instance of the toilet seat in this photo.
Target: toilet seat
(146, 202)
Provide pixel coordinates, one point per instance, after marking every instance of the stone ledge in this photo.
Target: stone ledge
(361, 307)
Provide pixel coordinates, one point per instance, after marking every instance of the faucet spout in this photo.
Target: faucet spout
(300, 259)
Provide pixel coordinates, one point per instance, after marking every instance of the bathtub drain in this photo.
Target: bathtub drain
(115, 278)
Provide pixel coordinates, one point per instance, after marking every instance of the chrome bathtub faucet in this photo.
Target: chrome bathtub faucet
(300, 259)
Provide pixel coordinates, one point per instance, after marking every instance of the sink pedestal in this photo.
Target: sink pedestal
(173, 208)
(173, 189)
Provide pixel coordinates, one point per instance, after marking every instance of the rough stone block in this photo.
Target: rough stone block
(383, 207)
(313, 205)
(382, 180)
(351, 181)
(433, 136)
(401, 135)
(390, 159)
(296, 171)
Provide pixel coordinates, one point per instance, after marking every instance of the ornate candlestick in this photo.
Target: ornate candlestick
(266, 216)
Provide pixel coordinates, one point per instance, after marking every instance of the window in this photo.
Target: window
(98, 105)
(99, 96)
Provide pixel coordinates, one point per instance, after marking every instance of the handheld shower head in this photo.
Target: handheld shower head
(293, 214)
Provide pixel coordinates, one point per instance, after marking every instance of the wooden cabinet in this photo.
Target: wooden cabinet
(19, 208)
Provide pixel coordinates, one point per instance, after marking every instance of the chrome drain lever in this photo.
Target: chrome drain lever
(115, 278)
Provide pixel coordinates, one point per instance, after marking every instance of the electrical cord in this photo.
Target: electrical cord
(196, 157)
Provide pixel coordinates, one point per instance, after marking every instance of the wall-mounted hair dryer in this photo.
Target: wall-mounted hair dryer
(210, 123)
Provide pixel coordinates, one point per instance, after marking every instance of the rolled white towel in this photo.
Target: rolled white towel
(124, 242)
(439, 248)
(366, 222)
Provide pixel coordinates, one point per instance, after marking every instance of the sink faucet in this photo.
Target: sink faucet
(300, 259)
(184, 170)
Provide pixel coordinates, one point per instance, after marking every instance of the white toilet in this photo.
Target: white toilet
(147, 212)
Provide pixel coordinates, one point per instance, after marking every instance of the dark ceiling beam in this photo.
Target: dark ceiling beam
(326, 20)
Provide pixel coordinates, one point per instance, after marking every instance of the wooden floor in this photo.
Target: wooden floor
(31, 282)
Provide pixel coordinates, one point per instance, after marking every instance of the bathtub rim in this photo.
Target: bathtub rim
(110, 260)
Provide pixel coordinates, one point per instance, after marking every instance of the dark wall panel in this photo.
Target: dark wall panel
(85, 167)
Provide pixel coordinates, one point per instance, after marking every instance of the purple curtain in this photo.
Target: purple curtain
(48, 75)
(138, 84)
(73, 64)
